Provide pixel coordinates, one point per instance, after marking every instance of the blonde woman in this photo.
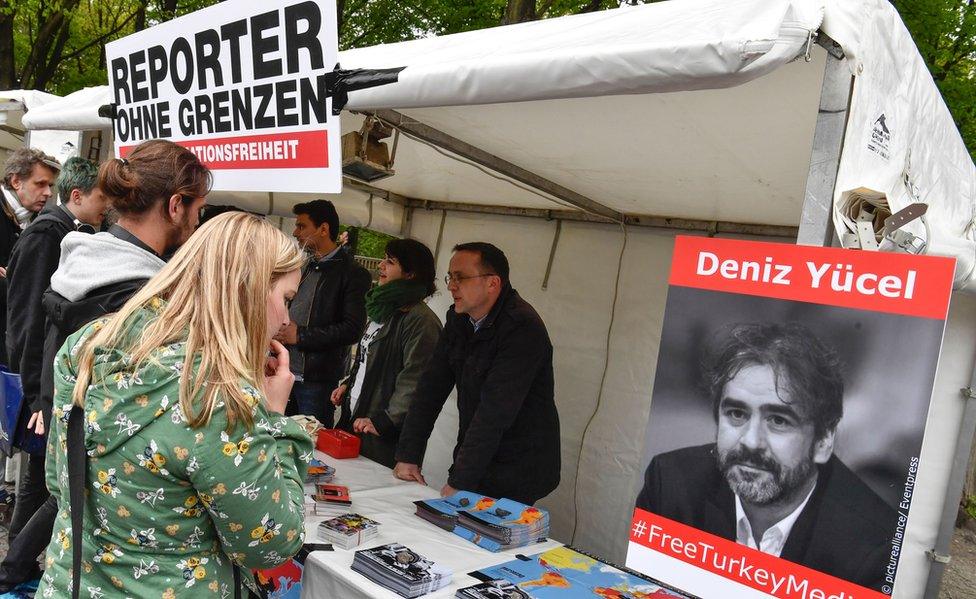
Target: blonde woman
(193, 476)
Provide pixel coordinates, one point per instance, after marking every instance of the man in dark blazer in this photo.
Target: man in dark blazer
(771, 481)
(496, 351)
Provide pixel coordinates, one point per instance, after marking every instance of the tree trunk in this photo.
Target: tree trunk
(169, 10)
(519, 11)
(8, 69)
(141, 16)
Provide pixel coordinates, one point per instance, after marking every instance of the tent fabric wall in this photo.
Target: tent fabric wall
(894, 95)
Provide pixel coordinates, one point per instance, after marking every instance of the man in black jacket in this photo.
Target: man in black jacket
(35, 257)
(98, 273)
(496, 350)
(328, 315)
(28, 176)
(771, 481)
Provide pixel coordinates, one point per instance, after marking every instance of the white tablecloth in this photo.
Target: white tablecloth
(375, 493)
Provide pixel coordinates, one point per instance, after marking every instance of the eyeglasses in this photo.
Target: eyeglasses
(458, 279)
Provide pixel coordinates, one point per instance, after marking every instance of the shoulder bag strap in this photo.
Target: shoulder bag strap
(77, 471)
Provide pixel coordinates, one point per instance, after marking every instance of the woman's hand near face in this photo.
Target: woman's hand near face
(278, 379)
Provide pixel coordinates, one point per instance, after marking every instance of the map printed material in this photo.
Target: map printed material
(565, 573)
(506, 525)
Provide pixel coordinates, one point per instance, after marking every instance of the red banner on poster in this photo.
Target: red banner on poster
(297, 149)
(898, 284)
(761, 571)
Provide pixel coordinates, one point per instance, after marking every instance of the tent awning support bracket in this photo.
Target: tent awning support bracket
(552, 254)
(461, 148)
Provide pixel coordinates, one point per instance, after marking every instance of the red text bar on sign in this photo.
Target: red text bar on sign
(899, 283)
(763, 572)
(300, 149)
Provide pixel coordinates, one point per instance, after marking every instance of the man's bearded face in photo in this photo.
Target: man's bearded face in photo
(766, 448)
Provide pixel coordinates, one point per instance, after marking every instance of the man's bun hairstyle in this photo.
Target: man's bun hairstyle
(149, 175)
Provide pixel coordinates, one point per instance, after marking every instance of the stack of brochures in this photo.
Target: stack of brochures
(331, 500)
(505, 525)
(319, 472)
(493, 589)
(399, 569)
(348, 530)
(443, 512)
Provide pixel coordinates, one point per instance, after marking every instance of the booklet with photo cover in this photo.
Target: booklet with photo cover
(401, 570)
(492, 589)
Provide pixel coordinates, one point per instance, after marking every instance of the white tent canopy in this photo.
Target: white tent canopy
(13, 105)
(699, 114)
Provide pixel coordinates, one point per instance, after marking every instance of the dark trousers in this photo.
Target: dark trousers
(30, 495)
(312, 399)
(20, 564)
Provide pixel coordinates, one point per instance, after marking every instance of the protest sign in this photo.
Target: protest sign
(788, 411)
(242, 84)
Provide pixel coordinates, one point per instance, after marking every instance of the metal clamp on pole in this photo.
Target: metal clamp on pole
(937, 557)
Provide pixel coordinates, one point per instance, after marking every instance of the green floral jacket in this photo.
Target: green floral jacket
(169, 508)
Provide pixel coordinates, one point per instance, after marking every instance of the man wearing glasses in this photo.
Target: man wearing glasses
(495, 349)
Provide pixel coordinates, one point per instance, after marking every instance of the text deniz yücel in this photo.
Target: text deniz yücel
(838, 277)
(252, 73)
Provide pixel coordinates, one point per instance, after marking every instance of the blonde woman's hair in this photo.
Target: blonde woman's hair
(216, 287)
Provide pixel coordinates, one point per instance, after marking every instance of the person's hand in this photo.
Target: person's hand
(337, 394)
(278, 379)
(405, 471)
(3, 272)
(448, 490)
(364, 425)
(36, 422)
(288, 334)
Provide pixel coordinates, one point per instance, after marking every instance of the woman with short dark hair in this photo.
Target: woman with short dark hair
(399, 340)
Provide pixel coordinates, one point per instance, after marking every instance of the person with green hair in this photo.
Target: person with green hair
(399, 340)
(81, 206)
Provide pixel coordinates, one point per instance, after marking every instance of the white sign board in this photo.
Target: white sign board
(242, 85)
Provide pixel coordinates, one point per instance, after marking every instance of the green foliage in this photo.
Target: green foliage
(58, 45)
(969, 506)
(371, 243)
(945, 33)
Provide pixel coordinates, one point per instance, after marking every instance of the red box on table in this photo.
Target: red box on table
(337, 443)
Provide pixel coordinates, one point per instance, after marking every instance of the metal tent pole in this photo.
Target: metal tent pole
(957, 479)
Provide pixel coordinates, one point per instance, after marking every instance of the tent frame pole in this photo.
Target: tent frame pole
(957, 480)
(816, 223)
(436, 137)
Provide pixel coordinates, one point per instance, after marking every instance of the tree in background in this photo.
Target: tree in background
(59, 45)
(945, 33)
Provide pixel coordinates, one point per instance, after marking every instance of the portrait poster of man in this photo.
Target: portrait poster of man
(787, 416)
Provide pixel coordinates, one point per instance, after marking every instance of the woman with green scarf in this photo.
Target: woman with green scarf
(399, 340)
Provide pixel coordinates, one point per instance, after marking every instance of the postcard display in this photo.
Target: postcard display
(787, 416)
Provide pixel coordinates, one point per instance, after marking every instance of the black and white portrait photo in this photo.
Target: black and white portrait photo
(789, 427)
